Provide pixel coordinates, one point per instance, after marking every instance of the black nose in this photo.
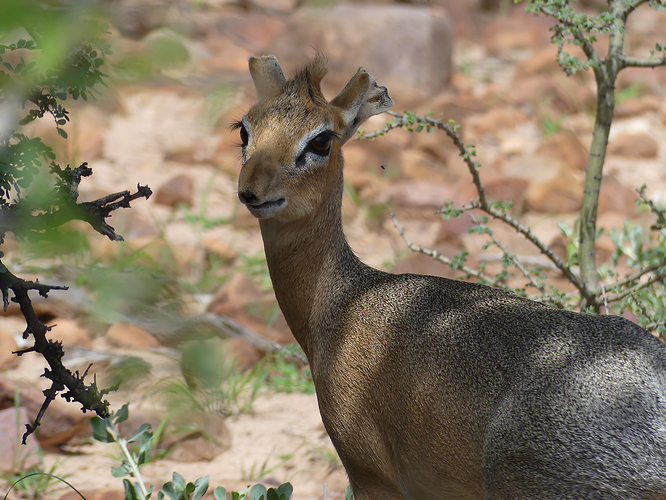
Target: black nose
(248, 198)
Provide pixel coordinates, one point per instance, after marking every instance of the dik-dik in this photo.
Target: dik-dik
(433, 388)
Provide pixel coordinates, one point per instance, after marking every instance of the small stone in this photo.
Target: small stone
(238, 288)
(8, 345)
(69, 332)
(13, 455)
(566, 148)
(639, 145)
(562, 194)
(126, 335)
(421, 194)
(178, 190)
(498, 119)
(62, 422)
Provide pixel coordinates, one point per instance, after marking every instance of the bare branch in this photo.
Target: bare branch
(507, 254)
(62, 380)
(638, 62)
(434, 254)
(467, 152)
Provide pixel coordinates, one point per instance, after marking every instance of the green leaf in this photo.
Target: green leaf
(285, 490)
(121, 415)
(100, 431)
(220, 493)
(119, 471)
(258, 492)
(145, 445)
(130, 491)
(62, 133)
(170, 490)
(179, 481)
(145, 428)
(200, 488)
(349, 494)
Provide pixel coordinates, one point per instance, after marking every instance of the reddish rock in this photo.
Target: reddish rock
(566, 148)
(178, 190)
(62, 422)
(562, 194)
(14, 456)
(216, 248)
(615, 197)
(69, 332)
(8, 345)
(193, 436)
(126, 335)
(419, 165)
(243, 354)
(517, 31)
(421, 194)
(452, 229)
(409, 46)
(498, 119)
(633, 146)
(238, 288)
(507, 189)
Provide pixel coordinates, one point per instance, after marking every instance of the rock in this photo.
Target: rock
(238, 288)
(638, 145)
(244, 356)
(216, 249)
(497, 119)
(8, 345)
(614, 197)
(126, 335)
(252, 30)
(419, 165)
(565, 148)
(421, 194)
(194, 435)
(62, 422)
(69, 332)
(506, 189)
(517, 31)
(562, 194)
(14, 456)
(408, 47)
(177, 190)
(451, 230)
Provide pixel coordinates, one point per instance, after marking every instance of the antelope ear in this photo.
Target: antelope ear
(359, 100)
(267, 76)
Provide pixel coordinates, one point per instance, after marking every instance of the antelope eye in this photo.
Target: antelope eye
(244, 135)
(321, 144)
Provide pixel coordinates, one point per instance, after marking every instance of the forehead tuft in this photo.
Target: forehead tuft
(301, 99)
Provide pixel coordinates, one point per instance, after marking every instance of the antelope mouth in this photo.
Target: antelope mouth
(266, 209)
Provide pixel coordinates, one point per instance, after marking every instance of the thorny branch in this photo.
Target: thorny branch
(467, 152)
(408, 120)
(434, 254)
(63, 207)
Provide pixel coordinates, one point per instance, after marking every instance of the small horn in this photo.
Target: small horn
(267, 76)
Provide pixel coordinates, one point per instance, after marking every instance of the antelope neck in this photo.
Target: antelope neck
(307, 260)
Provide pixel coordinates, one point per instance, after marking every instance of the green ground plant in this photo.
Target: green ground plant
(136, 451)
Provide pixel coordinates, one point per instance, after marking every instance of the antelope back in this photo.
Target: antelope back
(292, 137)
